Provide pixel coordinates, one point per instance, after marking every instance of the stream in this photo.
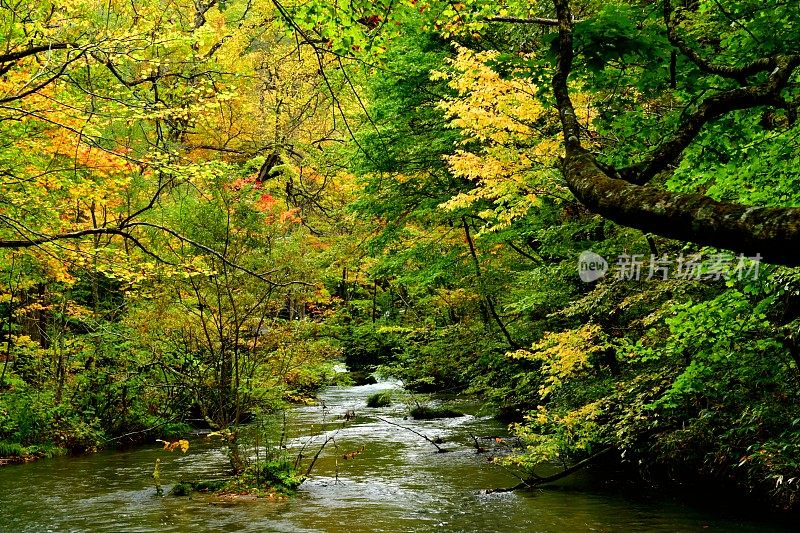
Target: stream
(397, 483)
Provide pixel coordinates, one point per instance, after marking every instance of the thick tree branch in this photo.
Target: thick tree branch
(767, 93)
(740, 73)
(772, 232)
(33, 50)
(566, 110)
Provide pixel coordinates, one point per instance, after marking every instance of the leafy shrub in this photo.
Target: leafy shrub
(380, 399)
(174, 430)
(367, 346)
(277, 474)
(11, 449)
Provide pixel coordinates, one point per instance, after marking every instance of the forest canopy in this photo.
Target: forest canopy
(585, 213)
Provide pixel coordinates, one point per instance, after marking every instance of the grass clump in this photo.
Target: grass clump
(11, 449)
(380, 399)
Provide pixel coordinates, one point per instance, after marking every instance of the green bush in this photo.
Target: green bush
(174, 430)
(276, 474)
(380, 399)
(11, 449)
(368, 346)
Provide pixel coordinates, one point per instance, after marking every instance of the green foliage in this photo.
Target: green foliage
(11, 449)
(367, 346)
(432, 240)
(444, 358)
(173, 430)
(614, 34)
(380, 399)
(278, 475)
(185, 488)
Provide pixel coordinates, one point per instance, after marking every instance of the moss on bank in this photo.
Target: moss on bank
(263, 479)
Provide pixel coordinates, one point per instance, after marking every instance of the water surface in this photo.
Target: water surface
(397, 483)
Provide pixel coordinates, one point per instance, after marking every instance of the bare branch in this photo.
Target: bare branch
(415, 432)
(33, 50)
(37, 241)
(536, 480)
(43, 84)
(218, 255)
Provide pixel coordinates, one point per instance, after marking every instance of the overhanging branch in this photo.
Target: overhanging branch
(536, 480)
(767, 93)
(740, 73)
(123, 230)
(774, 233)
(33, 50)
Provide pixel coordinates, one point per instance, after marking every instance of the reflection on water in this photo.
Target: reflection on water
(398, 483)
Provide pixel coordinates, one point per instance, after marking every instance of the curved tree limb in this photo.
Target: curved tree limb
(767, 93)
(774, 233)
(417, 433)
(218, 255)
(44, 83)
(739, 73)
(535, 481)
(123, 230)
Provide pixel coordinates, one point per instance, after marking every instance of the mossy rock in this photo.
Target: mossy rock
(428, 413)
(361, 377)
(181, 489)
(380, 399)
(185, 488)
(211, 485)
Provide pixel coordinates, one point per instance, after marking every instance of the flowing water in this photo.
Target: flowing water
(397, 483)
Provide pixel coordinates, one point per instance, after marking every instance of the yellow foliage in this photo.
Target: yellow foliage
(518, 138)
(564, 354)
(181, 444)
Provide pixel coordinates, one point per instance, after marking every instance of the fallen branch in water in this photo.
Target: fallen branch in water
(504, 441)
(478, 447)
(173, 419)
(535, 481)
(332, 438)
(438, 448)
